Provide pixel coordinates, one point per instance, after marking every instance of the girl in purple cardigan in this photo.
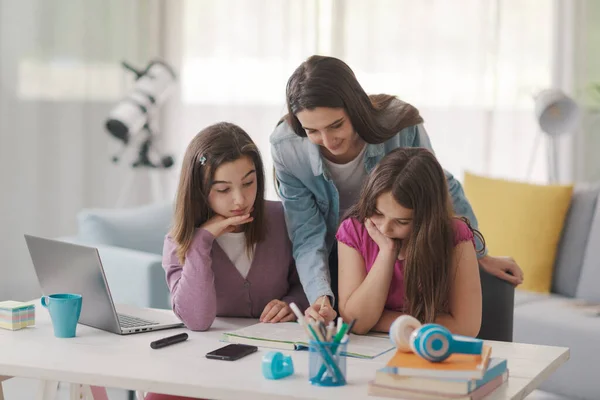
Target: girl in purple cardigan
(228, 253)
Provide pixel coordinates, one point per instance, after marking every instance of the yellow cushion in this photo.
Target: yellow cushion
(523, 221)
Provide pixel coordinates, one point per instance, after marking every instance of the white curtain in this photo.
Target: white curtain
(585, 74)
(60, 75)
(471, 66)
(234, 58)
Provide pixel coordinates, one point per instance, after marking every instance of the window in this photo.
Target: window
(471, 66)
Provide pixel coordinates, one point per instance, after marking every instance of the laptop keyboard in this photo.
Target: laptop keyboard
(127, 321)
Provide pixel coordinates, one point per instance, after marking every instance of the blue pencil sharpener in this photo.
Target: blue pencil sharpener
(276, 366)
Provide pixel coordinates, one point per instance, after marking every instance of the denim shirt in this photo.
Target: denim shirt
(311, 201)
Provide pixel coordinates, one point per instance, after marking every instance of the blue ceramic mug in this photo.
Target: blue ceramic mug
(64, 309)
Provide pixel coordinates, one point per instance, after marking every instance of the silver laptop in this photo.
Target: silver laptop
(63, 267)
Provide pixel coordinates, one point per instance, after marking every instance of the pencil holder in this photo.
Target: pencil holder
(327, 364)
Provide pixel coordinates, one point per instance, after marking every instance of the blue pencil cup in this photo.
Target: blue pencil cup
(64, 309)
(326, 364)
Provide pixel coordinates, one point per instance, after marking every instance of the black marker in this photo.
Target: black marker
(164, 342)
(350, 326)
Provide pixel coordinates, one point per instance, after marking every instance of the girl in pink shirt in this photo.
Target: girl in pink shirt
(402, 251)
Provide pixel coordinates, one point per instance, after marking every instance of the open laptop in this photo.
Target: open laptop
(63, 267)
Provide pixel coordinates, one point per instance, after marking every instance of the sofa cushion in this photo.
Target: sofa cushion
(523, 221)
(140, 228)
(523, 296)
(589, 288)
(574, 239)
(556, 322)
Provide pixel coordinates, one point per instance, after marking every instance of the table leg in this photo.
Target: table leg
(47, 390)
(2, 379)
(77, 392)
(87, 392)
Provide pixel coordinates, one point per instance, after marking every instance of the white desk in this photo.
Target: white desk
(101, 358)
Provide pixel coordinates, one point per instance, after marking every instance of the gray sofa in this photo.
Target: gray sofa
(129, 242)
(554, 319)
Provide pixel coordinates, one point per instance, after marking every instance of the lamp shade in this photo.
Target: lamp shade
(556, 112)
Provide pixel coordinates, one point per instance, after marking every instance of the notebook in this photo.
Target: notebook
(386, 377)
(457, 366)
(291, 336)
(478, 394)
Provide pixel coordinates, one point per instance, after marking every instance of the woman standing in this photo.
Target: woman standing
(332, 137)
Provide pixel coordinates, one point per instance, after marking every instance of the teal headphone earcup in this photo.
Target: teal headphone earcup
(432, 342)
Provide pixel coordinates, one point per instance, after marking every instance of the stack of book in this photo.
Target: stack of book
(461, 376)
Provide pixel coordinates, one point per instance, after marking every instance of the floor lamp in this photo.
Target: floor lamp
(557, 114)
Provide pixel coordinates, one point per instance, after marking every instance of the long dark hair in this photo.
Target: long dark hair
(417, 182)
(329, 82)
(217, 144)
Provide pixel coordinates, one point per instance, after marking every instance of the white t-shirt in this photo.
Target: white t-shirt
(348, 179)
(234, 245)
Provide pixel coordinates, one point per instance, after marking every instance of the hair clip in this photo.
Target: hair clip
(202, 160)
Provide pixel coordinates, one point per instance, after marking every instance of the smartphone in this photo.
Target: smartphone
(232, 352)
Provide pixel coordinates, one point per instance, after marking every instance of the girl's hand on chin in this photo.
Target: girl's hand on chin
(385, 243)
(219, 225)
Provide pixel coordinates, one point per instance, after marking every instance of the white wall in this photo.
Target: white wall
(54, 151)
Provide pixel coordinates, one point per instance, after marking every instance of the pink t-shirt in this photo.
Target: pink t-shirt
(354, 234)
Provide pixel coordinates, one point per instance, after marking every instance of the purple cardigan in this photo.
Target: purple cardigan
(208, 284)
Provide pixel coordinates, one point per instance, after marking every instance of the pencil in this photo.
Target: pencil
(318, 332)
(322, 302)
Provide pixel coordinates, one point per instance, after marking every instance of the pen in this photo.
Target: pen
(164, 342)
(301, 320)
(350, 326)
(330, 331)
(298, 313)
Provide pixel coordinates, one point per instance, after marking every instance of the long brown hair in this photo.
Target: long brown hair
(417, 182)
(217, 144)
(322, 81)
